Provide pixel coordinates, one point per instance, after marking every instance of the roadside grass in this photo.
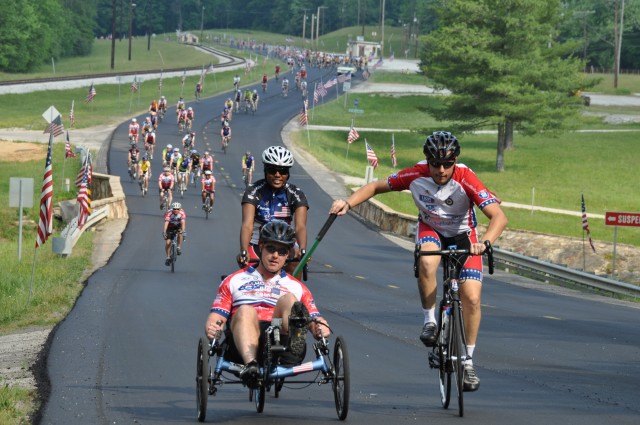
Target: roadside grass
(16, 404)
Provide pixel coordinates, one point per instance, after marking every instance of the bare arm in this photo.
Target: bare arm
(215, 324)
(248, 216)
(340, 206)
(497, 223)
(300, 217)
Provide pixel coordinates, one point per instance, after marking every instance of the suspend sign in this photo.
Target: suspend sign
(622, 219)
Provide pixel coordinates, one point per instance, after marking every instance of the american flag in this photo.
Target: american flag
(55, 127)
(353, 135)
(303, 115)
(72, 116)
(392, 57)
(344, 77)
(210, 69)
(321, 90)
(585, 225)
(92, 93)
(45, 225)
(394, 161)
(331, 83)
(85, 171)
(377, 64)
(371, 155)
(315, 95)
(84, 201)
(134, 85)
(68, 153)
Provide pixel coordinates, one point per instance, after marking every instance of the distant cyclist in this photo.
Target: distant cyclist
(189, 142)
(208, 188)
(165, 184)
(248, 165)
(134, 130)
(175, 222)
(225, 134)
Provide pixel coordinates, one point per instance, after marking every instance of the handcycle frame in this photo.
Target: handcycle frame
(271, 373)
(450, 350)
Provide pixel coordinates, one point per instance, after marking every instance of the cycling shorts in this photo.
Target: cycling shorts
(471, 265)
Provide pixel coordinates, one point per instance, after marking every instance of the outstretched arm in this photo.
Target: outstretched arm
(369, 190)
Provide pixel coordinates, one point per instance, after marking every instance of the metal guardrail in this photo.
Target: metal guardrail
(542, 270)
(69, 236)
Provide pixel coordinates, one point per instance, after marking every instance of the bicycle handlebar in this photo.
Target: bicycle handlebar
(456, 252)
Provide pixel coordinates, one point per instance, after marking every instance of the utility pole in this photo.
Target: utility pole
(304, 29)
(313, 20)
(318, 26)
(148, 9)
(113, 36)
(618, 29)
(382, 30)
(202, 24)
(131, 4)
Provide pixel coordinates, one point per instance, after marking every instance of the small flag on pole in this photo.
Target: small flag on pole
(85, 171)
(585, 224)
(84, 201)
(92, 93)
(394, 161)
(315, 95)
(55, 127)
(134, 84)
(72, 115)
(371, 155)
(353, 135)
(45, 224)
(331, 83)
(303, 115)
(68, 153)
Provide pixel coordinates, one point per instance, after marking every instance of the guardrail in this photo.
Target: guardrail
(556, 273)
(69, 236)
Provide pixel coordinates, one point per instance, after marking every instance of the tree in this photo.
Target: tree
(501, 61)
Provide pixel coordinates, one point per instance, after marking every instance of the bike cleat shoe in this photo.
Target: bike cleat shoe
(249, 374)
(428, 335)
(167, 262)
(298, 327)
(179, 250)
(470, 381)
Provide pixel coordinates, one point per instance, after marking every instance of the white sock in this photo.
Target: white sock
(470, 349)
(429, 315)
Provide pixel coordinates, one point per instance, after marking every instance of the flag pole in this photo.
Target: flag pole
(33, 271)
(315, 87)
(352, 124)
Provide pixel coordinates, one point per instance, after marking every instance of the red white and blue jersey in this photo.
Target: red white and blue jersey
(246, 287)
(208, 184)
(175, 218)
(166, 180)
(448, 209)
(272, 204)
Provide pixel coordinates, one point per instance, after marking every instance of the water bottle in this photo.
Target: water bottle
(446, 312)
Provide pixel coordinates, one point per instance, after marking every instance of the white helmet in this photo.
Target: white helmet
(176, 206)
(190, 108)
(255, 91)
(207, 173)
(278, 156)
(169, 146)
(133, 120)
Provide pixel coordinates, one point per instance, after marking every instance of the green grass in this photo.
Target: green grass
(15, 404)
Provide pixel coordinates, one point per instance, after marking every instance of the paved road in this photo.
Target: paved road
(126, 353)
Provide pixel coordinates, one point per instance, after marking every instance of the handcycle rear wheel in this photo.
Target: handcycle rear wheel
(202, 378)
(341, 379)
(458, 354)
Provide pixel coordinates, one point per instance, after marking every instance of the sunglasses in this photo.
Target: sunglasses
(438, 164)
(284, 171)
(282, 251)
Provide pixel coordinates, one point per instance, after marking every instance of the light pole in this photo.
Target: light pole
(113, 36)
(313, 21)
(304, 29)
(201, 24)
(131, 6)
(318, 25)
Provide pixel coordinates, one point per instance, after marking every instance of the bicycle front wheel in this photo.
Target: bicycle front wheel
(203, 374)
(173, 257)
(458, 353)
(442, 352)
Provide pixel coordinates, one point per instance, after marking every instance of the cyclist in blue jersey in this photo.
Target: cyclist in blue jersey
(248, 165)
(273, 198)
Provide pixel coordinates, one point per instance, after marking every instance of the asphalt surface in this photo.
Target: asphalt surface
(127, 351)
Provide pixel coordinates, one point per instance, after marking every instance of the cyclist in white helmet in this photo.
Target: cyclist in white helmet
(175, 222)
(273, 198)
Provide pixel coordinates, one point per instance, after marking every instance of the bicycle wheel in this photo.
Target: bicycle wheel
(341, 379)
(258, 397)
(207, 207)
(458, 353)
(173, 255)
(202, 378)
(442, 352)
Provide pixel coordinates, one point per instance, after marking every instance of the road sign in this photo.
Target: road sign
(346, 86)
(356, 111)
(50, 114)
(622, 219)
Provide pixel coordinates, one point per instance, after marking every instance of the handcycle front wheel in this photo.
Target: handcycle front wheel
(202, 378)
(341, 378)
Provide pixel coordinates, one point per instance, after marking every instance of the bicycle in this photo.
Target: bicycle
(208, 206)
(195, 175)
(246, 176)
(164, 203)
(450, 351)
(225, 143)
(183, 183)
(212, 365)
(143, 181)
(173, 250)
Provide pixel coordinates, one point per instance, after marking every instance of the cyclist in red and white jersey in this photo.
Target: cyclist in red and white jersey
(445, 193)
(208, 187)
(134, 130)
(166, 182)
(207, 162)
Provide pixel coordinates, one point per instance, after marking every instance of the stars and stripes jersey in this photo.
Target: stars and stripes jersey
(134, 128)
(246, 287)
(448, 209)
(273, 205)
(165, 180)
(208, 184)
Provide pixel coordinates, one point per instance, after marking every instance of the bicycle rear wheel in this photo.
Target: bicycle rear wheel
(173, 256)
(207, 207)
(458, 353)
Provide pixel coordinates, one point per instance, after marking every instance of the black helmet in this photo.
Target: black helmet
(441, 145)
(278, 231)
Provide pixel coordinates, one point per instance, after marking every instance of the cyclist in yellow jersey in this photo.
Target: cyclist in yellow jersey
(144, 173)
